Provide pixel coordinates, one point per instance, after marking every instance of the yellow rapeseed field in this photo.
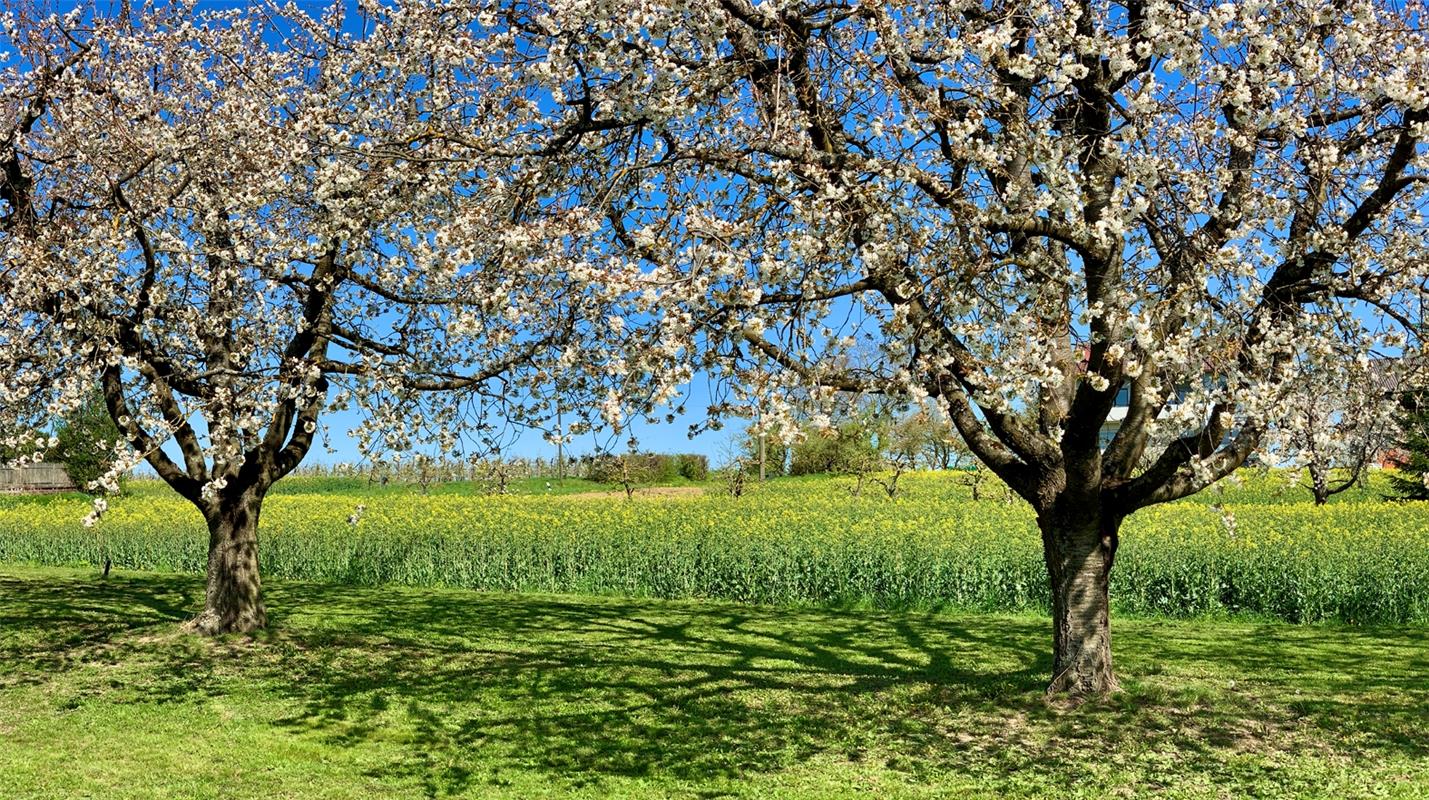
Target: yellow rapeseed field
(1255, 548)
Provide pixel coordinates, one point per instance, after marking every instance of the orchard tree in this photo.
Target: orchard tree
(1411, 480)
(1025, 207)
(925, 437)
(1339, 426)
(236, 221)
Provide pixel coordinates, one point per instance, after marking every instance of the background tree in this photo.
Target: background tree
(847, 446)
(776, 452)
(1411, 480)
(88, 443)
(1023, 206)
(234, 221)
(1339, 426)
(926, 438)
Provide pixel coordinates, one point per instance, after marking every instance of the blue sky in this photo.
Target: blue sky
(658, 437)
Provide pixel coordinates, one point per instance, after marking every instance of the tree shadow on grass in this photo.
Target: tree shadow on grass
(587, 688)
(1364, 688)
(52, 624)
(477, 686)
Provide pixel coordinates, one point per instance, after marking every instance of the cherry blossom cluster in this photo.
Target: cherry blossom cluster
(449, 213)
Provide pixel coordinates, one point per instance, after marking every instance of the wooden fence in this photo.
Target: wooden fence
(42, 477)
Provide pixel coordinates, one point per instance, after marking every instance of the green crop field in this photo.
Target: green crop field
(1257, 548)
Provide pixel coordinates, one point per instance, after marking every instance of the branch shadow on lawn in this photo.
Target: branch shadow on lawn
(476, 686)
(58, 622)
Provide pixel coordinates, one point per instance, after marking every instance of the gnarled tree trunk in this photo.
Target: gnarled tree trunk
(1079, 551)
(233, 600)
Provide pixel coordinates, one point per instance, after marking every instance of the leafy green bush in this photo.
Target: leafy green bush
(850, 447)
(646, 468)
(613, 468)
(692, 466)
(86, 442)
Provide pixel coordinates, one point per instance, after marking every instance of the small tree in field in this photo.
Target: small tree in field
(1024, 207)
(849, 447)
(927, 439)
(245, 219)
(1339, 428)
(1411, 480)
(88, 443)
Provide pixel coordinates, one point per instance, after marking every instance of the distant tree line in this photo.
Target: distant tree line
(496, 472)
(860, 441)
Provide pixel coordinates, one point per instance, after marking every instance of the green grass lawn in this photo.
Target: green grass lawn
(393, 692)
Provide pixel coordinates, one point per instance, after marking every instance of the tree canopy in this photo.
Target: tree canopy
(234, 221)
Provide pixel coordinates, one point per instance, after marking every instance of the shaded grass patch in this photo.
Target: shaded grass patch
(437, 693)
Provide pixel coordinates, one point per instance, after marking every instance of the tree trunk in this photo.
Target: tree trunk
(1320, 483)
(1079, 554)
(233, 601)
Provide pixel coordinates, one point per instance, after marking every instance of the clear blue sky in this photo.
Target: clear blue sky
(658, 437)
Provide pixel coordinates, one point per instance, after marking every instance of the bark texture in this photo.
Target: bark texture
(1079, 558)
(233, 595)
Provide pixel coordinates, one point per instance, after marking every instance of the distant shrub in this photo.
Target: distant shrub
(847, 448)
(86, 442)
(693, 467)
(646, 467)
(608, 468)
